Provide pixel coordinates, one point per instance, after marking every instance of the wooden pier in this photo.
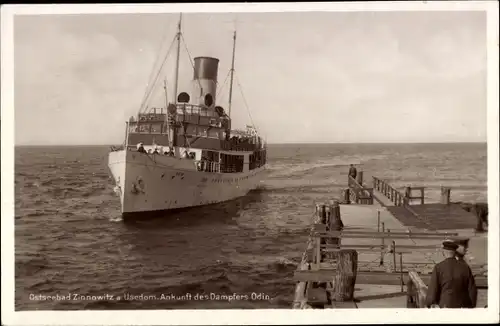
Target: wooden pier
(378, 245)
(433, 216)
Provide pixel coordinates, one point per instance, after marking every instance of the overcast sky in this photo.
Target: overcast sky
(307, 77)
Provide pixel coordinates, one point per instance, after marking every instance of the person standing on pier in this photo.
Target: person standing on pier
(462, 244)
(452, 283)
(353, 172)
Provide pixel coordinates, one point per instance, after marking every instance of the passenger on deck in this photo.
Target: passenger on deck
(353, 172)
(452, 283)
(140, 148)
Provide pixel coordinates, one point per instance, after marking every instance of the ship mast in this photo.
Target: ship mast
(179, 33)
(176, 84)
(166, 107)
(232, 75)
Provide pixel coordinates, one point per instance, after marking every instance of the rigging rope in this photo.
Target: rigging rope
(190, 59)
(224, 84)
(157, 75)
(245, 102)
(163, 39)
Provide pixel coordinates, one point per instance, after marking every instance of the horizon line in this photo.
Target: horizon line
(278, 143)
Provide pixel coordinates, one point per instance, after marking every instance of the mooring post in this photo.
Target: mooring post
(401, 270)
(407, 195)
(394, 255)
(445, 195)
(378, 221)
(382, 247)
(318, 214)
(346, 196)
(331, 226)
(344, 280)
(328, 215)
(359, 178)
(324, 221)
(478, 211)
(336, 223)
(322, 214)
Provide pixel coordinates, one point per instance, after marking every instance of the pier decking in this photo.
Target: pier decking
(396, 246)
(433, 216)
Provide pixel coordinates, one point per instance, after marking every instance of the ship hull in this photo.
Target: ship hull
(152, 183)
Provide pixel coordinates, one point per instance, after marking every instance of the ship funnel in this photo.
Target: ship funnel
(205, 80)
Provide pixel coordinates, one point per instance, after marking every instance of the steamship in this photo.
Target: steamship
(186, 153)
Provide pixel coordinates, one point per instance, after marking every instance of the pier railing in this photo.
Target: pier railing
(396, 197)
(390, 192)
(359, 193)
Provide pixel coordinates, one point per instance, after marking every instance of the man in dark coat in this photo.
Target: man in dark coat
(452, 282)
(353, 172)
(463, 245)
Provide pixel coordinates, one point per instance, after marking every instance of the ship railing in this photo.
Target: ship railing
(227, 145)
(207, 166)
(117, 148)
(184, 108)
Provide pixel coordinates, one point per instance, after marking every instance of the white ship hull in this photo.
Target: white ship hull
(147, 183)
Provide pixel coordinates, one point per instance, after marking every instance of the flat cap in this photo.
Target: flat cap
(450, 245)
(462, 242)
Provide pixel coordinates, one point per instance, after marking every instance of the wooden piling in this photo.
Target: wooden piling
(328, 216)
(445, 195)
(382, 246)
(393, 249)
(359, 178)
(317, 218)
(321, 211)
(407, 195)
(346, 196)
(378, 221)
(335, 224)
(477, 212)
(345, 278)
(401, 271)
(322, 218)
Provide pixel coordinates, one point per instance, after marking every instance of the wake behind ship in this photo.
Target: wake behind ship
(185, 153)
